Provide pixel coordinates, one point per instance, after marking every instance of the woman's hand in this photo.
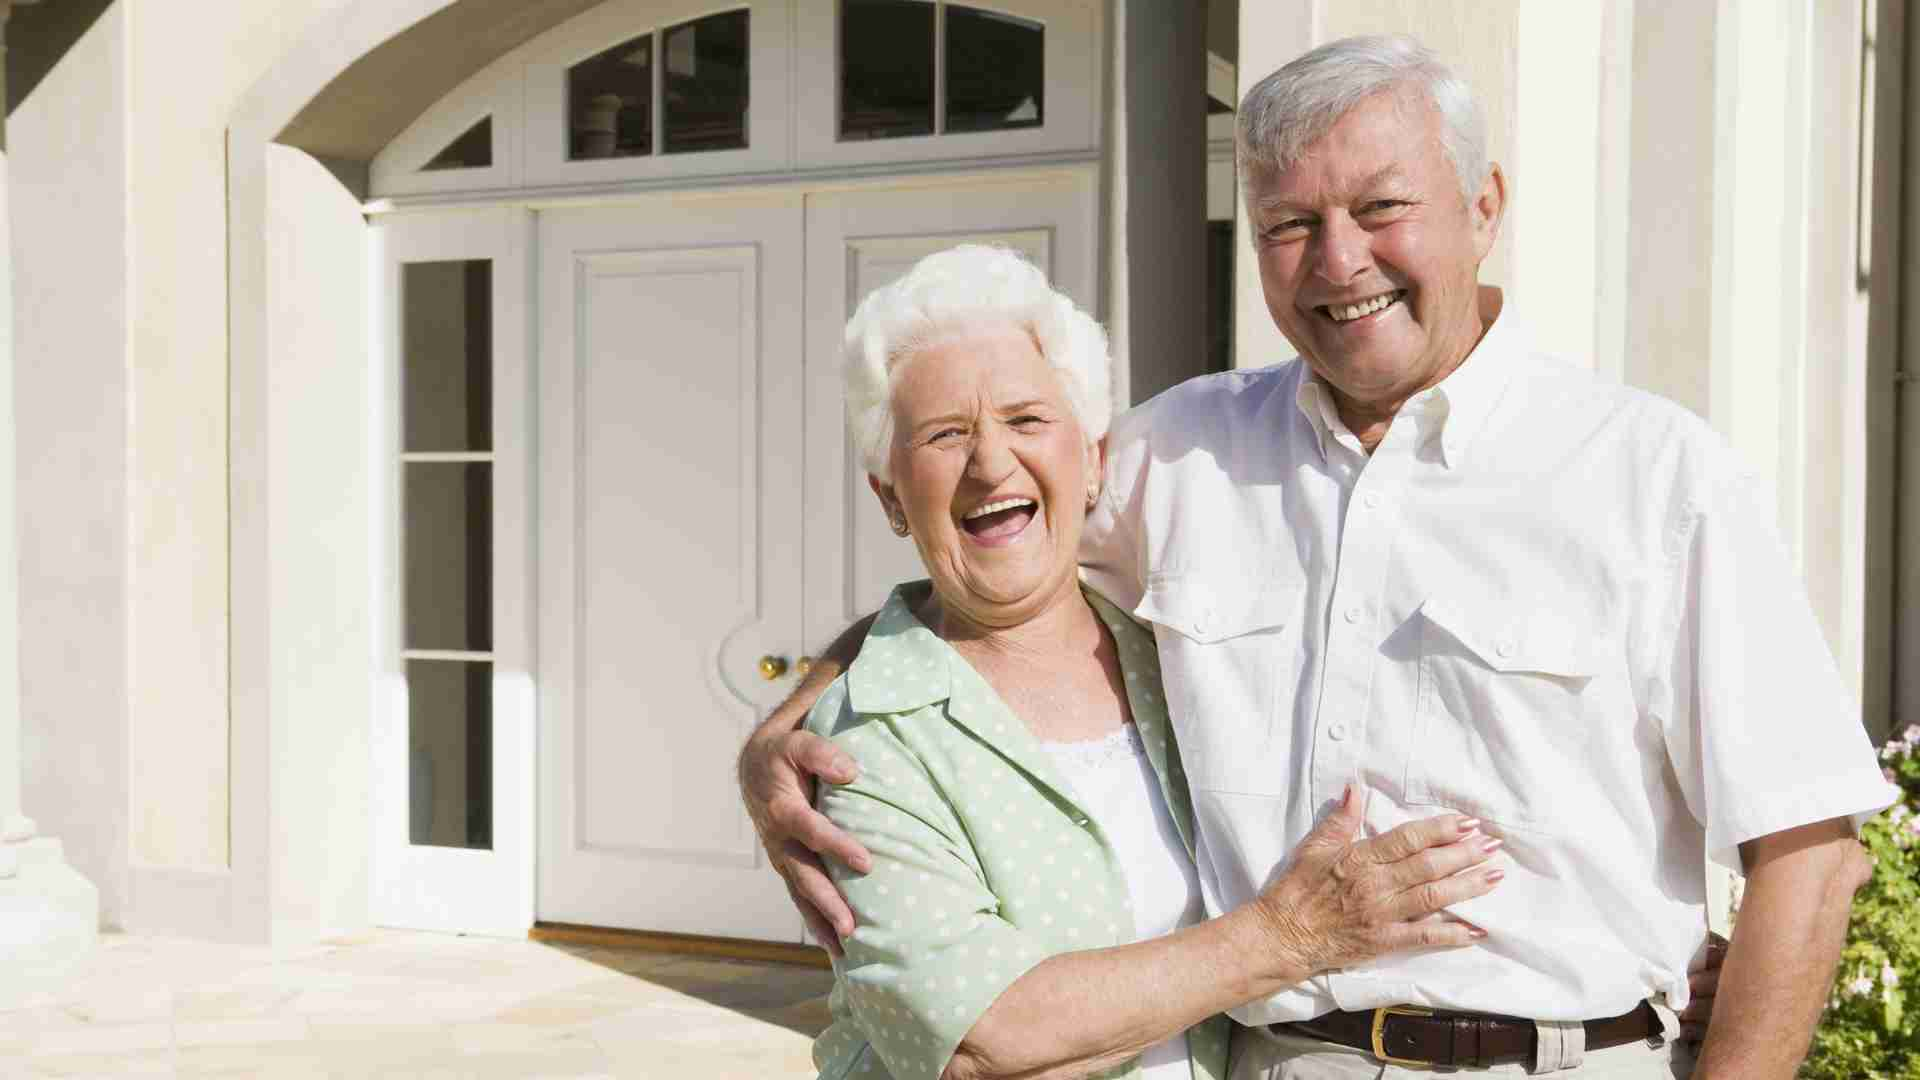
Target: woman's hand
(1339, 902)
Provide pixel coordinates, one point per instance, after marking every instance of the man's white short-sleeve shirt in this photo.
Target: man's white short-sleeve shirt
(1554, 603)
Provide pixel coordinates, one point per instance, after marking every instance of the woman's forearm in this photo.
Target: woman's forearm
(1079, 1013)
(1339, 902)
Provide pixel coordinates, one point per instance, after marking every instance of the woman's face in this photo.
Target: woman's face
(991, 470)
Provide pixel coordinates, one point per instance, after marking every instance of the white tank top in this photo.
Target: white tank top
(1116, 784)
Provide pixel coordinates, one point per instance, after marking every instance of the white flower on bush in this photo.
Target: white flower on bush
(1861, 986)
(1903, 745)
(1889, 976)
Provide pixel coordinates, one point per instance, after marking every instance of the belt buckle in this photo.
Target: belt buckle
(1379, 1030)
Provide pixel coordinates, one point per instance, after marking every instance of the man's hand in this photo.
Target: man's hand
(1702, 986)
(778, 767)
(1793, 921)
(776, 782)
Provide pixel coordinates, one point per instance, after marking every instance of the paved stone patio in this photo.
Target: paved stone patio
(403, 1004)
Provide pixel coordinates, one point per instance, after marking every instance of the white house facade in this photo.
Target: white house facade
(429, 458)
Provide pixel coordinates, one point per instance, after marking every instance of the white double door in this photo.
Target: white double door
(703, 524)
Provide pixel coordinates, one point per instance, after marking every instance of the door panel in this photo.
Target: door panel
(857, 242)
(670, 385)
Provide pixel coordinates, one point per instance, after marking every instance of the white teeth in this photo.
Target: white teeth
(993, 507)
(1349, 312)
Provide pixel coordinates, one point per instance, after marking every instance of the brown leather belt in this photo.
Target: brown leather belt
(1409, 1035)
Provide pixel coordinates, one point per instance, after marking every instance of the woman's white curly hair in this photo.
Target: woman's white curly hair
(951, 293)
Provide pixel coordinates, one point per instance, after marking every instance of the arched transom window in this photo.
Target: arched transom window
(657, 89)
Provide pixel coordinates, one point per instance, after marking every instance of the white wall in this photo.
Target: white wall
(9, 553)
(67, 154)
(119, 202)
(1555, 207)
(185, 75)
(322, 529)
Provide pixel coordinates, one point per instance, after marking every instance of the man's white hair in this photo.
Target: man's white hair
(1291, 109)
(951, 293)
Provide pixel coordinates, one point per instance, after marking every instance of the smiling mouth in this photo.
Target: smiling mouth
(999, 521)
(1373, 305)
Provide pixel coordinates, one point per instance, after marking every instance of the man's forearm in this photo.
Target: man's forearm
(1792, 924)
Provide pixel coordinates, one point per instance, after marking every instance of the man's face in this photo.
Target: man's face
(1369, 256)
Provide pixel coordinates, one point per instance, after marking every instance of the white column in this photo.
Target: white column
(49, 915)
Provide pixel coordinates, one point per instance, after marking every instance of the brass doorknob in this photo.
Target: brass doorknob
(772, 667)
(803, 666)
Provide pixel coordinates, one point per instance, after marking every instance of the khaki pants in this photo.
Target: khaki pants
(1265, 1054)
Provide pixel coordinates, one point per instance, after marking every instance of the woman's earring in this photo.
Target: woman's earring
(899, 523)
(1093, 496)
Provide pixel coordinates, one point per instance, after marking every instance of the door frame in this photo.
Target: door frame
(441, 888)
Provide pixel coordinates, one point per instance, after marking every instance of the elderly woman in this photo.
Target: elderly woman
(1031, 906)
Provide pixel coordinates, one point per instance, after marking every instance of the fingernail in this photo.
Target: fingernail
(1476, 932)
(1492, 844)
(1494, 877)
(1468, 824)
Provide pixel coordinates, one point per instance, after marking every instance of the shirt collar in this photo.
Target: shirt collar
(1459, 404)
(1316, 404)
(902, 665)
(1470, 393)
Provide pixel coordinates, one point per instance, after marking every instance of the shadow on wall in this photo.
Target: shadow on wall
(39, 33)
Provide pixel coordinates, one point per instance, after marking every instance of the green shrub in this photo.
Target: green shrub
(1871, 1029)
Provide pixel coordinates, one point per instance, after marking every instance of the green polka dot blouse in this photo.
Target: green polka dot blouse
(983, 863)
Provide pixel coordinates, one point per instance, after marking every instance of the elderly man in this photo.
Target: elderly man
(1427, 556)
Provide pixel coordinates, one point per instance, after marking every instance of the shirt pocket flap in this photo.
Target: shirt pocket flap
(1507, 640)
(1207, 610)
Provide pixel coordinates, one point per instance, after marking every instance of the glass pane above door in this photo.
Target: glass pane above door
(706, 84)
(886, 68)
(472, 150)
(996, 71)
(610, 102)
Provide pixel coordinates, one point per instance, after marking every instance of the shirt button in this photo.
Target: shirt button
(1505, 648)
(1371, 500)
(1337, 732)
(1354, 613)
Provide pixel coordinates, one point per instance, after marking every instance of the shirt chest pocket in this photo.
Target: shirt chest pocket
(1513, 705)
(1230, 656)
